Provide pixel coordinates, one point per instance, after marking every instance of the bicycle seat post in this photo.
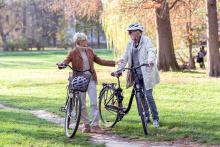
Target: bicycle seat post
(119, 84)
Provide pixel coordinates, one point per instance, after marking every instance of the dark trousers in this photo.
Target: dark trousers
(150, 99)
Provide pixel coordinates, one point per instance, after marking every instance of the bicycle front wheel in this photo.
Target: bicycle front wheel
(72, 117)
(108, 107)
(141, 104)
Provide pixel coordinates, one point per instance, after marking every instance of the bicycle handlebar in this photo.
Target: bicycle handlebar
(119, 72)
(62, 66)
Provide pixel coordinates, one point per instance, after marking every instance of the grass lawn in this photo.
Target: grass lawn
(19, 128)
(188, 102)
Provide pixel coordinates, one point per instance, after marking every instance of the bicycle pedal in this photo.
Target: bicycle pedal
(62, 109)
(121, 113)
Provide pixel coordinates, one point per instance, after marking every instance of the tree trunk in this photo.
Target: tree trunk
(191, 58)
(98, 36)
(91, 35)
(5, 44)
(24, 20)
(4, 38)
(166, 58)
(213, 45)
(190, 35)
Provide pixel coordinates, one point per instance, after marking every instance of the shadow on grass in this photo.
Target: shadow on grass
(194, 72)
(32, 102)
(36, 130)
(27, 65)
(32, 53)
(200, 129)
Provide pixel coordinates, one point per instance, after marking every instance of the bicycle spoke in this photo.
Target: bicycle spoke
(107, 105)
(72, 116)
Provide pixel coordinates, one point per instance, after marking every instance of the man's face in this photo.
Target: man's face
(134, 35)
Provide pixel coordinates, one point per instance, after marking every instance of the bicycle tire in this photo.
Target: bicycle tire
(141, 104)
(74, 104)
(104, 107)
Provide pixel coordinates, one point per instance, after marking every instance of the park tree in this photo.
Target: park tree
(89, 9)
(166, 55)
(188, 19)
(213, 44)
(121, 13)
(5, 26)
(87, 12)
(27, 23)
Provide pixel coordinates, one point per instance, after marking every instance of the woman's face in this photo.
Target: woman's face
(83, 43)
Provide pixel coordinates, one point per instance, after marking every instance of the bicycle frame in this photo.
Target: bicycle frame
(63, 109)
(118, 93)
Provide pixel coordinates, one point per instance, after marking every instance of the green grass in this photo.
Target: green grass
(19, 128)
(188, 102)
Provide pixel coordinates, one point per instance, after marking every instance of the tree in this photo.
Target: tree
(213, 45)
(5, 27)
(189, 22)
(166, 57)
(89, 9)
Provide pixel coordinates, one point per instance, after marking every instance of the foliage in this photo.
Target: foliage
(20, 43)
(117, 16)
(188, 13)
(89, 9)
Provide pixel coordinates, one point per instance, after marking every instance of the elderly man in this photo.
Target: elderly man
(139, 51)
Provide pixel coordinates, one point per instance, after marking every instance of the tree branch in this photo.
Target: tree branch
(174, 3)
(12, 28)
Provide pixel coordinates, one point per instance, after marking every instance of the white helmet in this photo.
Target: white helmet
(135, 26)
(80, 83)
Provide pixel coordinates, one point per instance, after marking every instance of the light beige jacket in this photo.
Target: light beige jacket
(147, 54)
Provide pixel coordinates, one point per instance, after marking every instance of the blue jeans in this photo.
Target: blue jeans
(150, 100)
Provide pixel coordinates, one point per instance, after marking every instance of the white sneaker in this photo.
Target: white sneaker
(156, 123)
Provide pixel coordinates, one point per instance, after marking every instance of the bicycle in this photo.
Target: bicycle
(111, 101)
(73, 104)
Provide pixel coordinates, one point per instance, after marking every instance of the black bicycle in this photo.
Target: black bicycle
(73, 104)
(111, 101)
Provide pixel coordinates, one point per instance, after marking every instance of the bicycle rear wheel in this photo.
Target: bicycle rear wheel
(141, 104)
(72, 117)
(108, 107)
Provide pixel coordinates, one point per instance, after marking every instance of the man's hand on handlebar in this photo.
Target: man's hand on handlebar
(151, 64)
(61, 65)
(116, 74)
(119, 72)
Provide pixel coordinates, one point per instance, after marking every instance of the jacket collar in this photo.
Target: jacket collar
(77, 53)
(78, 48)
(140, 43)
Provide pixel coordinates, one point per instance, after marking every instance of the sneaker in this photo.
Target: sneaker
(156, 123)
(86, 128)
(97, 129)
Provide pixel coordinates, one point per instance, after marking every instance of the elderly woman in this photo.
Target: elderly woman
(82, 58)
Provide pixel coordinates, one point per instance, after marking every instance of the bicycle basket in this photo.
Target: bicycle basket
(79, 82)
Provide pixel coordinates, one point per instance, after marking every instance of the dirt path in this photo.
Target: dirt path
(109, 139)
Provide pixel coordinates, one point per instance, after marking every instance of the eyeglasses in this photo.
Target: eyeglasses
(130, 32)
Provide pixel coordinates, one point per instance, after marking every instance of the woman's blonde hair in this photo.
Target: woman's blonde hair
(79, 37)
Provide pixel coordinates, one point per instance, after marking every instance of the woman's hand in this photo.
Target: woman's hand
(61, 65)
